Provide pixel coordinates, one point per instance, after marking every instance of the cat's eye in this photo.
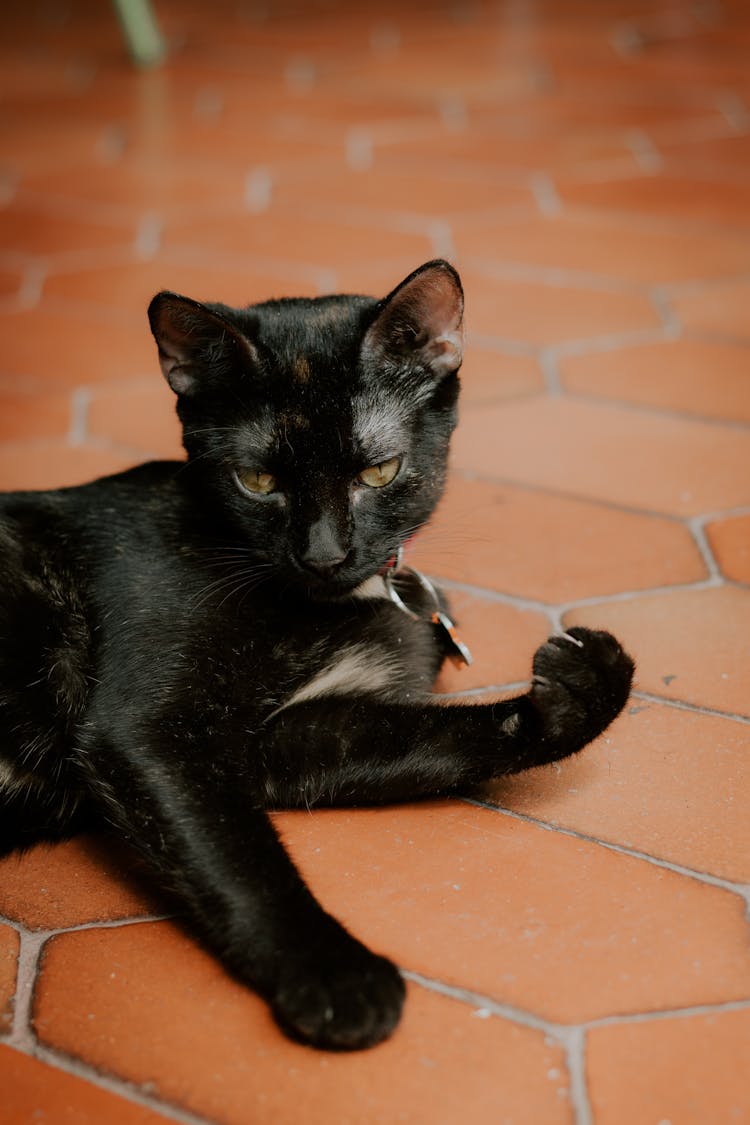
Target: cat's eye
(255, 480)
(377, 476)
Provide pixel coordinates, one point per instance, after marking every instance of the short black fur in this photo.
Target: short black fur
(185, 646)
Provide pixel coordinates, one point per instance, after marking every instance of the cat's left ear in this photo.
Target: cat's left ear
(196, 342)
(421, 319)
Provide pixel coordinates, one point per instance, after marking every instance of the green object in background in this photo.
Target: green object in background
(141, 31)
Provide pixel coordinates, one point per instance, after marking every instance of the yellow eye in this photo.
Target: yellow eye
(255, 480)
(377, 476)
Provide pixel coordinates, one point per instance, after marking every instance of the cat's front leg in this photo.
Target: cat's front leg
(581, 682)
(194, 818)
(350, 750)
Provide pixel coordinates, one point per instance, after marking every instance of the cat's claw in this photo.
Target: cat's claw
(341, 1006)
(573, 640)
(581, 682)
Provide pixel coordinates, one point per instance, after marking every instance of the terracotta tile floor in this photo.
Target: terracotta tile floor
(576, 941)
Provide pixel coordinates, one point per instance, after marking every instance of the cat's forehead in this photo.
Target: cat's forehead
(359, 426)
(380, 421)
(309, 328)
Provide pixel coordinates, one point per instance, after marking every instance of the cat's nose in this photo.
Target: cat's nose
(324, 566)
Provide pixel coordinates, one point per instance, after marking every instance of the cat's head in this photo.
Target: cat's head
(320, 427)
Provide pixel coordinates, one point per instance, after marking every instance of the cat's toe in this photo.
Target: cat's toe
(341, 1007)
(582, 680)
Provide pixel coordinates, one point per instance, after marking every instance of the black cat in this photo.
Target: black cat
(183, 646)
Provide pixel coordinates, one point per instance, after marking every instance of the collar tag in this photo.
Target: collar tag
(458, 652)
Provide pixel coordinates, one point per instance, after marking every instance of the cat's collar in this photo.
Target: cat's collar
(457, 650)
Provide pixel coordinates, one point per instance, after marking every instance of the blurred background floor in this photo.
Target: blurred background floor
(576, 941)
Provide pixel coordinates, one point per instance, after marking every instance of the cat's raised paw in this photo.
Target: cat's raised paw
(342, 1006)
(582, 680)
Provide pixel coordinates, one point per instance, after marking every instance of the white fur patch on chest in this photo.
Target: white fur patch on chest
(373, 587)
(356, 670)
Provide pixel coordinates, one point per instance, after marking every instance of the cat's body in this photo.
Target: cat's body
(183, 647)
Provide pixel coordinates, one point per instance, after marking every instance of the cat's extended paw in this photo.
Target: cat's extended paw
(344, 1005)
(581, 683)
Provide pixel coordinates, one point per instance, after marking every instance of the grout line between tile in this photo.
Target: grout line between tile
(484, 1003)
(560, 277)
(655, 223)
(545, 193)
(669, 1013)
(582, 498)
(637, 693)
(32, 285)
(646, 154)
(31, 944)
(556, 611)
(148, 236)
(108, 924)
(80, 400)
(119, 1087)
(517, 601)
(696, 708)
(696, 285)
(697, 528)
(611, 341)
(733, 109)
(671, 412)
(574, 1043)
(23, 1038)
(550, 372)
(709, 583)
(560, 1032)
(359, 149)
(659, 411)
(709, 336)
(740, 889)
(724, 513)
(441, 236)
(453, 112)
(258, 190)
(660, 300)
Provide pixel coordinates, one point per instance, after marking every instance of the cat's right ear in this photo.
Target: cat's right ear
(194, 341)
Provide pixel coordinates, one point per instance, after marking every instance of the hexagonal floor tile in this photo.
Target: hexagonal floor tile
(689, 1069)
(691, 376)
(545, 313)
(730, 543)
(717, 310)
(638, 252)
(668, 782)
(521, 542)
(689, 645)
(116, 1018)
(625, 457)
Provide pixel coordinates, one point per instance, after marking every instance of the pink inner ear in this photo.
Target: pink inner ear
(175, 352)
(430, 306)
(186, 332)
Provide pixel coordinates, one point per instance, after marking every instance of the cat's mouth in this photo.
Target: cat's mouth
(345, 582)
(334, 587)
